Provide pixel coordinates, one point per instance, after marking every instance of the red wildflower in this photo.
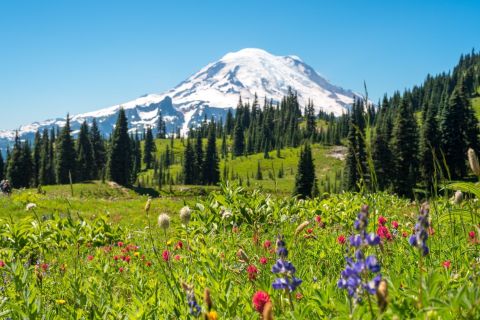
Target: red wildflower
(115, 258)
(179, 245)
(299, 296)
(148, 263)
(63, 267)
(127, 259)
(318, 219)
(259, 299)
(44, 266)
(446, 264)
(120, 269)
(382, 220)
(310, 230)
(267, 244)
(2, 264)
(120, 243)
(177, 257)
(235, 229)
(471, 235)
(90, 258)
(431, 231)
(395, 225)
(263, 260)
(252, 272)
(166, 255)
(404, 234)
(384, 233)
(341, 239)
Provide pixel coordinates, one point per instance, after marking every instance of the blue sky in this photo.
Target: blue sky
(77, 56)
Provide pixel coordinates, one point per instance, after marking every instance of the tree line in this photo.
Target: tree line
(417, 138)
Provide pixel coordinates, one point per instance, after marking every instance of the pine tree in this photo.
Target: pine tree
(405, 150)
(198, 159)
(36, 158)
(305, 177)
(355, 164)
(429, 147)
(2, 167)
(85, 162)
(44, 168)
(229, 123)
(136, 157)
(119, 162)
(211, 171)
(149, 149)
(161, 126)
(189, 164)
(65, 159)
(98, 147)
(310, 119)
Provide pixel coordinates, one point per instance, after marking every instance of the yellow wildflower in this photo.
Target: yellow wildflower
(60, 301)
(136, 254)
(212, 315)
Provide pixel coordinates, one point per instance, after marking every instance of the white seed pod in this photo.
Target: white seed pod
(473, 161)
(164, 221)
(30, 206)
(185, 215)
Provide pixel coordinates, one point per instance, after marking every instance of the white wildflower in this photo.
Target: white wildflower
(30, 206)
(185, 215)
(164, 221)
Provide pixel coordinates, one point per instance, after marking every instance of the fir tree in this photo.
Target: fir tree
(119, 162)
(149, 149)
(161, 126)
(429, 147)
(211, 171)
(65, 159)
(85, 163)
(305, 178)
(198, 159)
(405, 150)
(2, 167)
(98, 147)
(189, 164)
(36, 158)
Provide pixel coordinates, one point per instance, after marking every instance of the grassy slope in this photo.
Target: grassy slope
(244, 166)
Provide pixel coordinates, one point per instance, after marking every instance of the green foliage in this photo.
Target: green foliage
(119, 160)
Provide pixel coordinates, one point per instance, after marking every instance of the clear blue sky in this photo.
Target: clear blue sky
(77, 56)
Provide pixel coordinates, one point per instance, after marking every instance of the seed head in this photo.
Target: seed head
(148, 204)
(301, 226)
(164, 221)
(382, 295)
(473, 160)
(185, 215)
(458, 197)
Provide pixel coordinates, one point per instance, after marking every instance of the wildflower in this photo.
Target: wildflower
(309, 230)
(120, 269)
(44, 267)
(226, 214)
(127, 259)
(89, 257)
(235, 229)
(382, 220)
(259, 300)
(285, 269)
(30, 206)
(63, 267)
(384, 233)
(341, 239)
(166, 255)
(473, 161)
(148, 264)
(263, 260)
(179, 245)
(177, 257)
(2, 264)
(212, 315)
(185, 215)
(353, 277)
(252, 272)
(420, 236)
(60, 301)
(382, 295)
(471, 235)
(301, 226)
(164, 221)
(148, 204)
(298, 296)
(318, 219)
(120, 244)
(195, 309)
(404, 234)
(395, 225)
(431, 231)
(446, 264)
(115, 258)
(267, 244)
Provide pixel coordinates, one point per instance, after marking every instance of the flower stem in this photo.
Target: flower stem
(420, 266)
(290, 300)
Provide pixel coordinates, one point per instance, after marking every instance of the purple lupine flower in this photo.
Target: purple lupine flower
(420, 235)
(355, 277)
(285, 269)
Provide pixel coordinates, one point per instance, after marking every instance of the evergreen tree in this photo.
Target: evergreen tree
(85, 162)
(429, 147)
(44, 170)
(305, 177)
(36, 158)
(136, 157)
(310, 119)
(229, 123)
(2, 167)
(211, 171)
(98, 147)
(198, 159)
(161, 126)
(149, 149)
(119, 161)
(65, 159)
(405, 150)
(189, 164)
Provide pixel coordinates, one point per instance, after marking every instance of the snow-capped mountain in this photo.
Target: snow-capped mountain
(211, 92)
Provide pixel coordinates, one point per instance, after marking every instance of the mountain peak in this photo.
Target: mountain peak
(212, 91)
